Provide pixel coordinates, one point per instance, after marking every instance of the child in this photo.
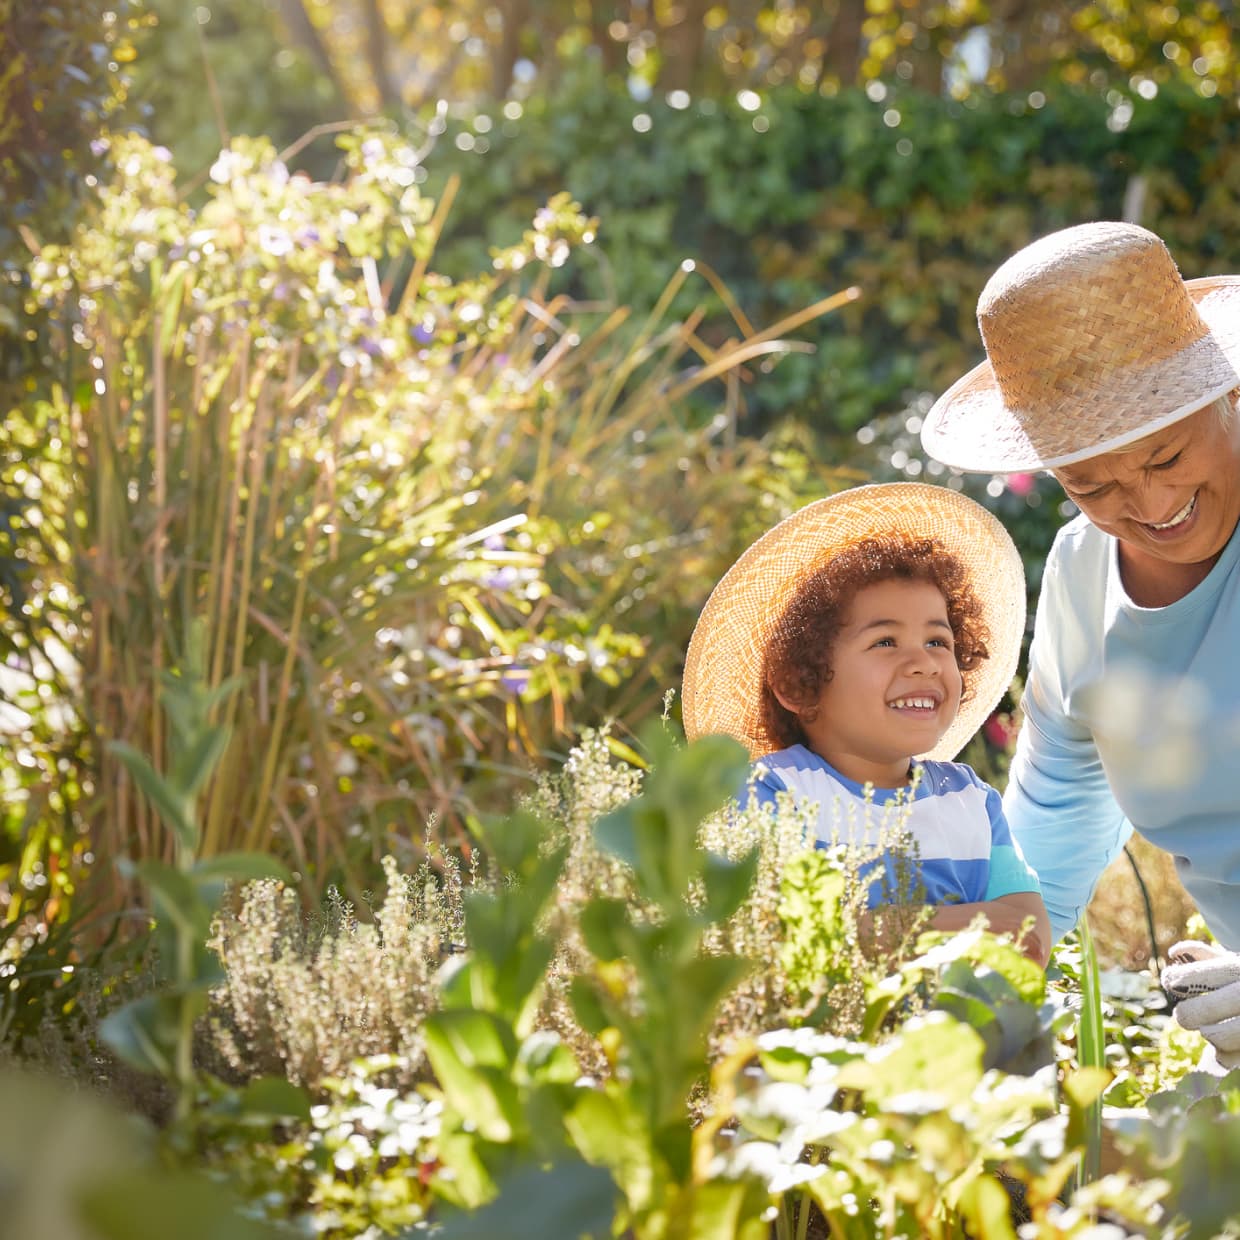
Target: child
(854, 648)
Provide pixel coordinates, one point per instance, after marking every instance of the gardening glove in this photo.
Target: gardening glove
(1203, 981)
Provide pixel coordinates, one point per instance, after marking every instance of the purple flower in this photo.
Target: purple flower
(424, 333)
(98, 147)
(502, 579)
(516, 680)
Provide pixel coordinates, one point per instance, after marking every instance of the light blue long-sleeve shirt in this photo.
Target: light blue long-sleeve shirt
(1132, 719)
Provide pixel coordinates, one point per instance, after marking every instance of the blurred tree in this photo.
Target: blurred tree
(60, 79)
(392, 52)
(206, 72)
(389, 55)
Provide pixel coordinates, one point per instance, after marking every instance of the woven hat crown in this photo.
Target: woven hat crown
(1093, 341)
(1072, 315)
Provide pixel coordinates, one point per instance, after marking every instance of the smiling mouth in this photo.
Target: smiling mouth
(918, 702)
(1179, 518)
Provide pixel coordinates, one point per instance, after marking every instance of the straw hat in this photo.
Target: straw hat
(723, 668)
(1093, 341)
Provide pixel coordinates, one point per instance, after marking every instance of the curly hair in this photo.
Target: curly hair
(798, 654)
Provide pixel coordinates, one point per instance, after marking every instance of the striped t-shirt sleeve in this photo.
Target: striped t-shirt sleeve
(1009, 871)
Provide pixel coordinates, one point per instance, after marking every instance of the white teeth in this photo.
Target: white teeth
(1182, 515)
(921, 703)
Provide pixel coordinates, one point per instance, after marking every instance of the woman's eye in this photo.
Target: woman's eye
(1171, 460)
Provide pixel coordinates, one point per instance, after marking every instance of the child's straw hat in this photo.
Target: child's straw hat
(1093, 341)
(723, 668)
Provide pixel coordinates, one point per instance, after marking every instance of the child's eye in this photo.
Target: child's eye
(884, 641)
(945, 642)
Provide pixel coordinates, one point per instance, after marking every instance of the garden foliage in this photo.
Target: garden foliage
(429, 524)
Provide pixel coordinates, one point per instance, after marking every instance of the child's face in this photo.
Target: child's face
(895, 688)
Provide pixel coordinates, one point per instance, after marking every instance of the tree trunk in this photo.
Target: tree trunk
(304, 34)
(681, 44)
(844, 48)
(377, 43)
(514, 16)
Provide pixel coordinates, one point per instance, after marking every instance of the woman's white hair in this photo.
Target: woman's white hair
(1225, 410)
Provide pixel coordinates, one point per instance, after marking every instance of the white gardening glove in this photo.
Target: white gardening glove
(1203, 980)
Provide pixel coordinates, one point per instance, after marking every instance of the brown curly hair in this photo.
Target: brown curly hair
(799, 651)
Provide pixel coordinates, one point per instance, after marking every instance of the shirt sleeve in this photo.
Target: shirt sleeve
(1058, 802)
(761, 785)
(1010, 873)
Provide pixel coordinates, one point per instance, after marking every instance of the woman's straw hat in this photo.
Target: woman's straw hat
(1093, 341)
(723, 668)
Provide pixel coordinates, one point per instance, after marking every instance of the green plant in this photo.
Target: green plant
(513, 1096)
(156, 1033)
(402, 505)
(80, 1169)
(303, 998)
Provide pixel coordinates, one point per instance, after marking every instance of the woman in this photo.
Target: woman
(1108, 369)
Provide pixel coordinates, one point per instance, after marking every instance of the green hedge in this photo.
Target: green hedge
(808, 194)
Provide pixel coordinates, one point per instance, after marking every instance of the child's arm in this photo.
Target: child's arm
(883, 928)
(1004, 915)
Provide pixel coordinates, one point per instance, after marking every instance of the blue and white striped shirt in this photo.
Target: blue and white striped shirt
(965, 850)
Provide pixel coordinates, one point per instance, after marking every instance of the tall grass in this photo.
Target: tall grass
(432, 526)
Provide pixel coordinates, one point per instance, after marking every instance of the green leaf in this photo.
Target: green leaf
(568, 1201)
(987, 1209)
(275, 1096)
(241, 867)
(157, 1203)
(728, 1210)
(145, 1033)
(472, 1054)
(933, 1053)
(166, 799)
(544, 1057)
(727, 883)
(194, 764)
(175, 899)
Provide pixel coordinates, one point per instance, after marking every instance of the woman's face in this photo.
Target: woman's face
(1174, 496)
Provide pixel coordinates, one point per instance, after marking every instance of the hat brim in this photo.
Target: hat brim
(970, 428)
(722, 690)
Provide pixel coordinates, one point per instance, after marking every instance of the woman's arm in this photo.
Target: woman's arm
(1058, 803)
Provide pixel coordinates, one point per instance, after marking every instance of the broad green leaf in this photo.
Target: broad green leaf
(144, 1033)
(241, 867)
(727, 883)
(174, 898)
(605, 928)
(156, 1204)
(275, 1096)
(472, 1055)
(544, 1057)
(987, 1209)
(569, 1201)
(727, 1210)
(463, 1178)
(933, 1053)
